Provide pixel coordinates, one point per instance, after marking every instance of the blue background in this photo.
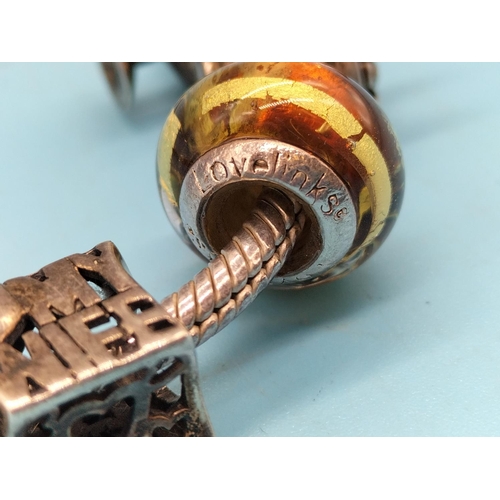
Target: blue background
(407, 345)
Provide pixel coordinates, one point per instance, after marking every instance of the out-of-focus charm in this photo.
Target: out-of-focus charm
(121, 76)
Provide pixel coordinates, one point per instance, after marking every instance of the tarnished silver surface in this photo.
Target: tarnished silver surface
(244, 267)
(85, 351)
(220, 183)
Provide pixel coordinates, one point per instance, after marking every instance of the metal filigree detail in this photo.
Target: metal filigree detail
(86, 351)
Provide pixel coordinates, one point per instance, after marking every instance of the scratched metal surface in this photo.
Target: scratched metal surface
(408, 345)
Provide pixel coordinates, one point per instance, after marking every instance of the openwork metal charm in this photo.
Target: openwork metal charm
(85, 351)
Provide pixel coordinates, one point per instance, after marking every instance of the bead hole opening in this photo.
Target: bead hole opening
(231, 206)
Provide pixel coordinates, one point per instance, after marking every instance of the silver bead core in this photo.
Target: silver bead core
(221, 188)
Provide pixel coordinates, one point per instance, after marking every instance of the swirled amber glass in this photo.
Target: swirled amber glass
(308, 105)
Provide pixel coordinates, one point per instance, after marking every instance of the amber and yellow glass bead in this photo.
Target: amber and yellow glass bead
(314, 109)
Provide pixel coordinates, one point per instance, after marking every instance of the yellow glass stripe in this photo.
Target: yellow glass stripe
(369, 155)
(330, 110)
(167, 140)
(303, 95)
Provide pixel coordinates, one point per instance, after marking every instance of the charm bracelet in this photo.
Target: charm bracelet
(279, 174)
